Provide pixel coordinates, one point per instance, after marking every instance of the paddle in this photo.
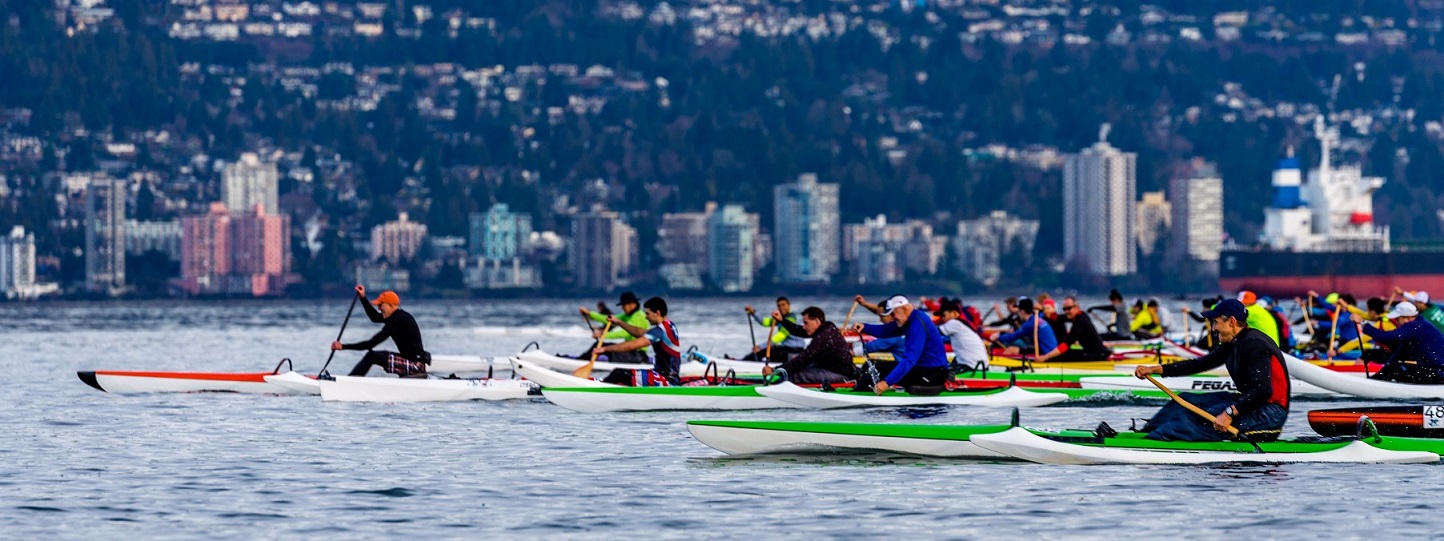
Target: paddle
(1333, 332)
(1185, 325)
(848, 319)
(1309, 323)
(770, 331)
(1037, 321)
(750, 332)
(1184, 403)
(1360, 330)
(586, 370)
(588, 321)
(344, 322)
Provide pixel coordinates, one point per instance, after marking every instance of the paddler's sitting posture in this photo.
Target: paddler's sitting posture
(1147, 323)
(969, 352)
(411, 357)
(1260, 407)
(878, 344)
(921, 362)
(633, 316)
(827, 359)
(1418, 347)
(784, 344)
(1081, 333)
(1119, 328)
(1035, 332)
(663, 334)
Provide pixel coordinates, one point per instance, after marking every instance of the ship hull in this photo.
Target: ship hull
(1286, 274)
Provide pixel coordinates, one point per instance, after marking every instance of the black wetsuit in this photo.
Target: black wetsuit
(401, 328)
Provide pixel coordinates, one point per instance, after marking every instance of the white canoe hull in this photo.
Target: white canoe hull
(567, 365)
(1012, 397)
(1353, 385)
(1188, 384)
(295, 382)
(393, 390)
(748, 441)
(464, 365)
(551, 378)
(579, 400)
(1022, 444)
(183, 382)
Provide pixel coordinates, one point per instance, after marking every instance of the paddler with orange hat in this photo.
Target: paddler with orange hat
(411, 359)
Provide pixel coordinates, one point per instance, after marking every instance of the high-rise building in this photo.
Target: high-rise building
(105, 234)
(17, 263)
(248, 182)
(981, 245)
(206, 251)
(1098, 212)
(731, 240)
(806, 238)
(1154, 214)
(602, 250)
(499, 234)
(142, 237)
(261, 251)
(875, 251)
(397, 240)
(1197, 229)
(683, 237)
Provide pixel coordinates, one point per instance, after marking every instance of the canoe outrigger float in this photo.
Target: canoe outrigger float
(1007, 442)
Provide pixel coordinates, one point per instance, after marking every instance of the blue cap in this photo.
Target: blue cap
(1227, 308)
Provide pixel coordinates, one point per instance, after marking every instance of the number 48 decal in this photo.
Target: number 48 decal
(1433, 416)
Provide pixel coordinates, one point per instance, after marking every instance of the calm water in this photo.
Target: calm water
(77, 463)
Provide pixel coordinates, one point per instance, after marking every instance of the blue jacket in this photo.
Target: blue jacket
(1416, 341)
(1046, 340)
(922, 345)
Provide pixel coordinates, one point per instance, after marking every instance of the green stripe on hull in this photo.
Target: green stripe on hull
(924, 432)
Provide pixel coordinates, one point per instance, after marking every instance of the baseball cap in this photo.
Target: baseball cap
(1417, 296)
(1403, 309)
(1227, 308)
(387, 297)
(1246, 297)
(628, 297)
(893, 303)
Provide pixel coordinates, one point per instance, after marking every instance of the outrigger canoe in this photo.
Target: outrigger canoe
(1007, 442)
(1416, 421)
(118, 381)
(618, 398)
(395, 390)
(997, 397)
(1350, 383)
(546, 378)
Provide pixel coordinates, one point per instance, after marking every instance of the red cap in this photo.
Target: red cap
(387, 297)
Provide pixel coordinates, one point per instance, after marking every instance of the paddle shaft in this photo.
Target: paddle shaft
(586, 370)
(1185, 403)
(1333, 332)
(1360, 330)
(770, 331)
(588, 321)
(1037, 322)
(750, 331)
(344, 322)
(848, 319)
(1185, 325)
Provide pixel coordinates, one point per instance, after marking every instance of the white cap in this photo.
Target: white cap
(1418, 296)
(1264, 303)
(1403, 309)
(893, 303)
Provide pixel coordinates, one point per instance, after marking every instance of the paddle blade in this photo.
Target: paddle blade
(585, 371)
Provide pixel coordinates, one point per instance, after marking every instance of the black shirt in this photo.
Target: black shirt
(828, 350)
(401, 328)
(1085, 335)
(1255, 364)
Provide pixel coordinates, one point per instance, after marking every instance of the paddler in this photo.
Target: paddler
(667, 366)
(784, 344)
(922, 363)
(1427, 311)
(410, 359)
(1081, 333)
(1418, 347)
(1260, 407)
(969, 351)
(1258, 316)
(827, 359)
(1147, 324)
(1033, 328)
(634, 317)
(1119, 328)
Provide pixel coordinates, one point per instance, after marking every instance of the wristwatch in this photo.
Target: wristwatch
(1232, 410)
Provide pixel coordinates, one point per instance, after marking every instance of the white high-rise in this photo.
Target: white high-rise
(17, 263)
(1098, 208)
(1197, 229)
(982, 243)
(248, 182)
(731, 239)
(806, 237)
(397, 240)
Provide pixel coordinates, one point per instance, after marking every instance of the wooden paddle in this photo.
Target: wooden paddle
(1037, 321)
(1333, 332)
(1309, 323)
(1184, 403)
(338, 335)
(770, 331)
(586, 370)
(1185, 325)
(848, 319)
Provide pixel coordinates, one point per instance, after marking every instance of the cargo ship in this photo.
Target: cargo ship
(1321, 235)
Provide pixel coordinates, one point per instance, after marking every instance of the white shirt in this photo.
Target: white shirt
(968, 347)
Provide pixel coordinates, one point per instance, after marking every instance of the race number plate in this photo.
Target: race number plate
(1434, 417)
